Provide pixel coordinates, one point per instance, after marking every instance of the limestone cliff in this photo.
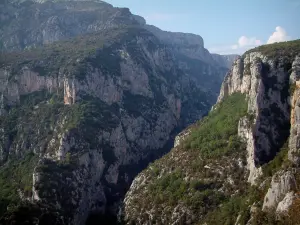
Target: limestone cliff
(81, 117)
(239, 165)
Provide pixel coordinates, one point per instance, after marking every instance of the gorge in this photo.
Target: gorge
(104, 117)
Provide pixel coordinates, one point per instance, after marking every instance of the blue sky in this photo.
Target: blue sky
(227, 26)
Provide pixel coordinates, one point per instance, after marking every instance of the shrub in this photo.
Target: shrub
(216, 135)
(280, 160)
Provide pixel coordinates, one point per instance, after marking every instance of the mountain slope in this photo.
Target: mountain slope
(27, 24)
(86, 113)
(91, 99)
(239, 165)
(30, 24)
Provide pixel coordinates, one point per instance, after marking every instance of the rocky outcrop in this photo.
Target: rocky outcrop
(13, 87)
(282, 183)
(181, 137)
(245, 132)
(286, 203)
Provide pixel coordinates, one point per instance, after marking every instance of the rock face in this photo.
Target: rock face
(264, 81)
(100, 92)
(26, 24)
(286, 203)
(139, 106)
(29, 24)
(260, 96)
(225, 60)
(281, 184)
(98, 108)
(294, 137)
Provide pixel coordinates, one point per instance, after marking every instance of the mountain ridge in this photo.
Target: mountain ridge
(61, 26)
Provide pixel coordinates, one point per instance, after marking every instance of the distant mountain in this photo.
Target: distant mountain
(25, 25)
(225, 60)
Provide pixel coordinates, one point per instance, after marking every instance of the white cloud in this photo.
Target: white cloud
(245, 43)
(278, 36)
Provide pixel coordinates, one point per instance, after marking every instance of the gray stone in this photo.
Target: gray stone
(281, 184)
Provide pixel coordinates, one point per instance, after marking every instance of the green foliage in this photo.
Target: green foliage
(216, 135)
(44, 116)
(16, 175)
(34, 98)
(287, 49)
(28, 213)
(266, 218)
(186, 176)
(171, 188)
(154, 169)
(234, 206)
(68, 157)
(135, 104)
(279, 161)
(229, 211)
